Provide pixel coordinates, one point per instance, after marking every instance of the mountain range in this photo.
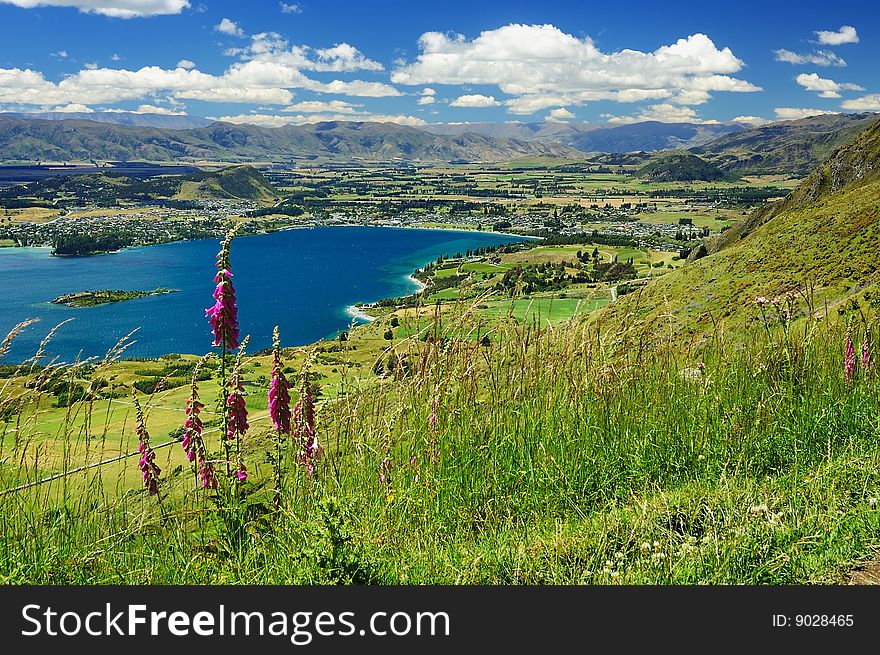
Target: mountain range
(645, 136)
(793, 147)
(166, 121)
(25, 139)
(786, 147)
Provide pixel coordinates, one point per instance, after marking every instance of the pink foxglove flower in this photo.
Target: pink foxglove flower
(193, 442)
(149, 470)
(237, 415)
(279, 399)
(192, 427)
(867, 359)
(304, 422)
(223, 315)
(207, 475)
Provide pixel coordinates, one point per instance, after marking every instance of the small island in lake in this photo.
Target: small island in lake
(104, 296)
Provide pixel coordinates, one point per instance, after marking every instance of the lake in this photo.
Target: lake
(302, 280)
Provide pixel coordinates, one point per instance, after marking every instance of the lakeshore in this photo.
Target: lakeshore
(302, 280)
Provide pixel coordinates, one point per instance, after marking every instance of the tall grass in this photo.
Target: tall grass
(541, 456)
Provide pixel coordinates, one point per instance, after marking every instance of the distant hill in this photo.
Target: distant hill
(543, 131)
(650, 136)
(824, 234)
(234, 182)
(647, 136)
(240, 182)
(85, 140)
(168, 121)
(679, 166)
(792, 147)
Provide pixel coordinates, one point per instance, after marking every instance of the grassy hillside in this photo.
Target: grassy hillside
(679, 167)
(241, 182)
(540, 457)
(822, 239)
(793, 147)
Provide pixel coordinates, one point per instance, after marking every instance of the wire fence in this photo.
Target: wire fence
(111, 460)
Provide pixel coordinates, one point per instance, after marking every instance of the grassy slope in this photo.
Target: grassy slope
(679, 167)
(824, 235)
(550, 463)
(241, 182)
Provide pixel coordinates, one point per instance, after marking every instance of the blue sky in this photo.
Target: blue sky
(271, 62)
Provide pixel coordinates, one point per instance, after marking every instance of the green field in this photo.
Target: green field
(544, 311)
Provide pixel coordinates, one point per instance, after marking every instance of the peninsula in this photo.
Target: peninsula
(104, 296)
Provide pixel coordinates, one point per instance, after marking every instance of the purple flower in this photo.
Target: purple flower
(237, 416)
(192, 427)
(279, 400)
(207, 475)
(242, 473)
(867, 360)
(149, 470)
(223, 315)
(304, 422)
(193, 442)
(849, 365)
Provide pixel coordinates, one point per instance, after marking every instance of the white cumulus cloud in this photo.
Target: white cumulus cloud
(846, 34)
(271, 47)
(229, 27)
(319, 106)
(269, 120)
(870, 102)
(663, 112)
(751, 120)
(265, 73)
(824, 87)
(794, 113)
(817, 58)
(73, 108)
(153, 109)
(536, 62)
(113, 8)
(474, 100)
(559, 115)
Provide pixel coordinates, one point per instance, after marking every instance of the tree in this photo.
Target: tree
(389, 335)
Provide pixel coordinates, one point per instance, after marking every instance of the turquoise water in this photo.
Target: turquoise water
(301, 280)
